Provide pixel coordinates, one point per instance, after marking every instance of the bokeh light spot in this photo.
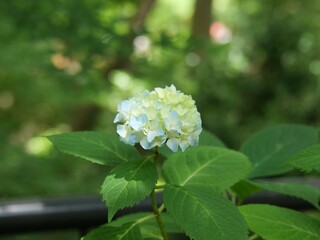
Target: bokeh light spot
(192, 59)
(314, 67)
(6, 100)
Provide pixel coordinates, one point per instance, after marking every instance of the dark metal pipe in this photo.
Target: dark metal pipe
(58, 213)
(83, 213)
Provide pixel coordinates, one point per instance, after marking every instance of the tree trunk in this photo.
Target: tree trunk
(202, 19)
(143, 12)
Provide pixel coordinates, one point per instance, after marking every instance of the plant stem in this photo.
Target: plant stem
(155, 205)
(157, 214)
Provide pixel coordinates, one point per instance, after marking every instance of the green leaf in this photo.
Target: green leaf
(303, 191)
(128, 231)
(270, 149)
(244, 189)
(206, 138)
(127, 184)
(275, 223)
(308, 159)
(206, 166)
(147, 223)
(97, 147)
(204, 214)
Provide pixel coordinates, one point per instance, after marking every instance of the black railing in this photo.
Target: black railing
(84, 213)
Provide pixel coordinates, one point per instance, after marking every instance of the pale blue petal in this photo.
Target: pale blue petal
(167, 124)
(145, 144)
(151, 135)
(173, 122)
(119, 118)
(142, 118)
(173, 117)
(132, 139)
(122, 130)
(125, 106)
(183, 145)
(194, 140)
(173, 144)
(134, 123)
(137, 123)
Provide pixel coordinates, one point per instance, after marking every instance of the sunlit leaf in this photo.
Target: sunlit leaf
(270, 149)
(275, 223)
(127, 184)
(206, 166)
(204, 214)
(97, 147)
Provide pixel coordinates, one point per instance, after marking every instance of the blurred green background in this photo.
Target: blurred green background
(65, 64)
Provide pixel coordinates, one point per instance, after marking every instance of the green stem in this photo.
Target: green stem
(157, 214)
(155, 205)
(161, 208)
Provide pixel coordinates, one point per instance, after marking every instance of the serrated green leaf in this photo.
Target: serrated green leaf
(133, 217)
(270, 149)
(147, 223)
(97, 147)
(303, 191)
(206, 138)
(144, 219)
(308, 159)
(127, 184)
(204, 214)
(206, 166)
(275, 223)
(128, 231)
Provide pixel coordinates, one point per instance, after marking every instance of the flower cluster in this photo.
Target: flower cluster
(164, 115)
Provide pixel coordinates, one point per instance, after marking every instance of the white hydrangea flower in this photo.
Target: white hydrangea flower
(164, 115)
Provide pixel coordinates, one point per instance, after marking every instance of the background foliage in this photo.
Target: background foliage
(64, 65)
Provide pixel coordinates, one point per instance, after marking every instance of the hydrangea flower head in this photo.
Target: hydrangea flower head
(162, 116)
